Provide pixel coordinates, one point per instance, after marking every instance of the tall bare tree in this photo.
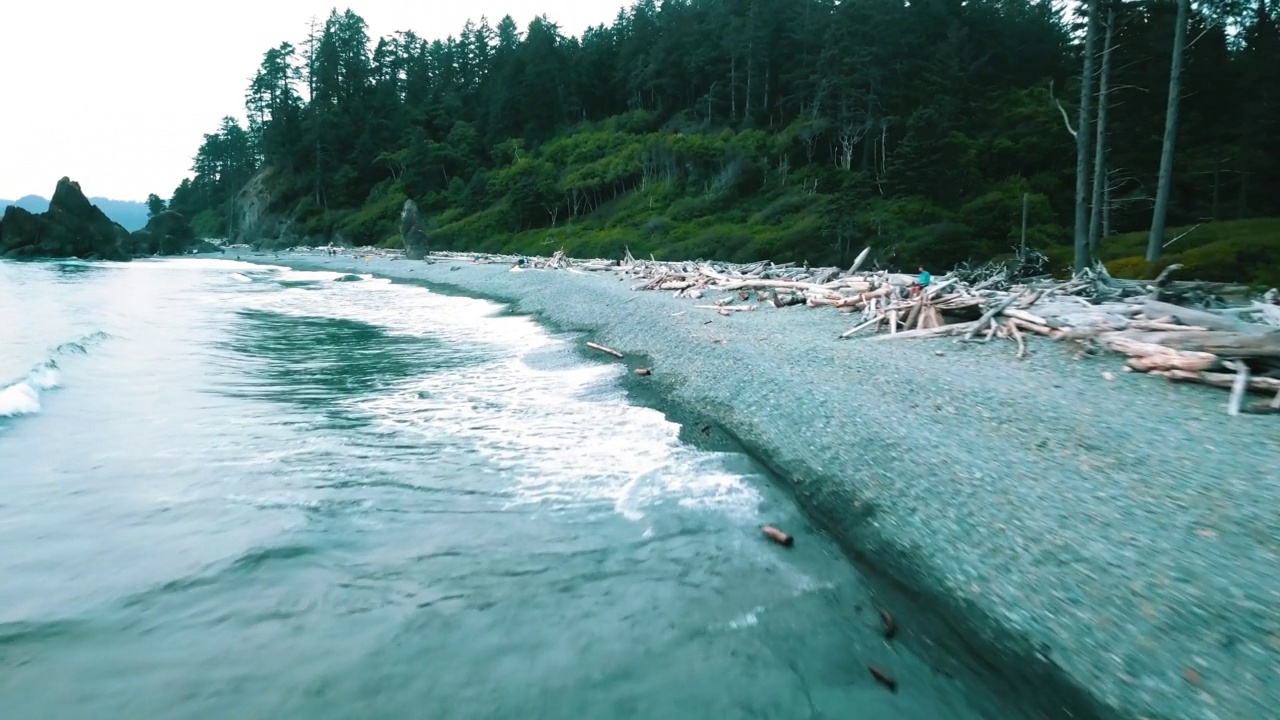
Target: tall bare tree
(1156, 238)
(1100, 150)
(1082, 141)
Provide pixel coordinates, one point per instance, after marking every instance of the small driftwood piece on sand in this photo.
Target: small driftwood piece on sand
(1238, 387)
(727, 308)
(604, 349)
(1223, 380)
(888, 624)
(883, 678)
(1017, 336)
(778, 536)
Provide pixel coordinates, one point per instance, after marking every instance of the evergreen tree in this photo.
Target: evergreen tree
(797, 129)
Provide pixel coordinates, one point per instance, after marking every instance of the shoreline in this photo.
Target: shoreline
(982, 492)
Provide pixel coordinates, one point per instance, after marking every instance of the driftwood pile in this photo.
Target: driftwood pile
(1183, 331)
(380, 253)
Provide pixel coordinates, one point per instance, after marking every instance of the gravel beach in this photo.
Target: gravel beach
(1112, 538)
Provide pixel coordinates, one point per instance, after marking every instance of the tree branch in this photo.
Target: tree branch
(1193, 229)
(1066, 119)
(1202, 34)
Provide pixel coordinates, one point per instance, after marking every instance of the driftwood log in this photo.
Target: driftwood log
(603, 349)
(1214, 334)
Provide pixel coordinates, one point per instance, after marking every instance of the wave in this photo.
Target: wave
(28, 632)
(565, 436)
(249, 562)
(22, 397)
(560, 429)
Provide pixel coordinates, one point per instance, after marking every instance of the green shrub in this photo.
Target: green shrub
(1250, 260)
(1134, 267)
(375, 220)
(1243, 251)
(784, 207)
(656, 226)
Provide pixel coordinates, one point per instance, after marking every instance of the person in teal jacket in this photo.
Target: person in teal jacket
(922, 282)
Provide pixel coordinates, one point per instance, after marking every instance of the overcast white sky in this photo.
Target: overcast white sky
(117, 95)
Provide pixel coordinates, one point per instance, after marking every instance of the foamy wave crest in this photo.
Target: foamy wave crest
(23, 396)
(561, 430)
(78, 347)
(567, 437)
(401, 309)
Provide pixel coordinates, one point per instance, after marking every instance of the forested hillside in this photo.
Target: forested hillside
(744, 129)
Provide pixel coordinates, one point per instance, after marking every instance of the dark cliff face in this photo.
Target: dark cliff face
(168, 233)
(75, 227)
(72, 227)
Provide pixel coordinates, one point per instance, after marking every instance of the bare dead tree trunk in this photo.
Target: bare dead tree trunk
(1106, 200)
(733, 87)
(751, 56)
(1082, 142)
(1023, 245)
(849, 138)
(1217, 183)
(1100, 151)
(1156, 238)
(869, 147)
(1242, 203)
(766, 92)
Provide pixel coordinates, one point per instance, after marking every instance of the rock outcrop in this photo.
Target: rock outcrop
(168, 233)
(72, 227)
(411, 231)
(255, 222)
(75, 227)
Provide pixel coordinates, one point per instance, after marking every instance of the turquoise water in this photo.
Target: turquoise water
(230, 490)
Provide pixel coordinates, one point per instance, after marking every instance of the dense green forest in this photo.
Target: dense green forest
(789, 129)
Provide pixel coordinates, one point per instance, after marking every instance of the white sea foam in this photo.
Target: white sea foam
(800, 584)
(565, 434)
(747, 619)
(23, 396)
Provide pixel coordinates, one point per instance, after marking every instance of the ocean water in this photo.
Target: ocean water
(234, 490)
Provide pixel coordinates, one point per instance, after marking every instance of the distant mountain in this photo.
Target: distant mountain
(132, 215)
(30, 203)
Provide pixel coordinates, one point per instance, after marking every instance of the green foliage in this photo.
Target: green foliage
(155, 205)
(1246, 251)
(799, 130)
(376, 220)
(1135, 267)
(530, 189)
(209, 223)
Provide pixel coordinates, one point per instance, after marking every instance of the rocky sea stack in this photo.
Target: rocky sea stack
(75, 227)
(168, 233)
(411, 230)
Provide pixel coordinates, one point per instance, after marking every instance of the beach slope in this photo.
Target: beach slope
(1085, 531)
